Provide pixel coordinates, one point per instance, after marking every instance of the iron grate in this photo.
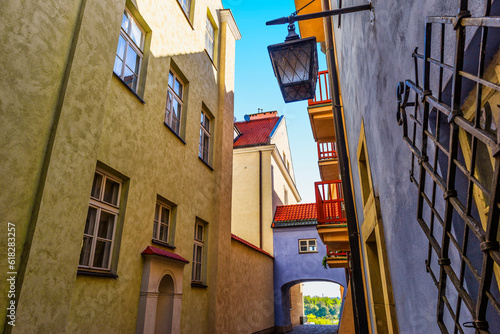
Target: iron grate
(450, 125)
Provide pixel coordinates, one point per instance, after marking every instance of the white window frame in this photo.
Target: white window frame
(158, 221)
(100, 206)
(139, 49)
(205, 137)
(210, 38)
(170, 116)
(309, 243)
(199, 243)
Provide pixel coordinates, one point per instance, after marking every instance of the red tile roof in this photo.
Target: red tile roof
(150, 250)
(243, 241)
(255, 132)
(296, 212)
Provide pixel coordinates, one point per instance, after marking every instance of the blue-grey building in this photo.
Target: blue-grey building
(298, 256)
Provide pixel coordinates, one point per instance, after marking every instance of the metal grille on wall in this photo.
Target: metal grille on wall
(450, 123)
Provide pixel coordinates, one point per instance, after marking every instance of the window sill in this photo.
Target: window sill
(198, 285)
(130, 89)
(182, 140)
(308, 252)
(158, 242)
(95, 273)
(206, 164)
(185, 15)
(211, 60)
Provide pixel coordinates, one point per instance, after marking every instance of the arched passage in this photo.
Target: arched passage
(282, 301)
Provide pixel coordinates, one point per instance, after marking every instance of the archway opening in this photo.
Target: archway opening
(322, 302)
(165, 306)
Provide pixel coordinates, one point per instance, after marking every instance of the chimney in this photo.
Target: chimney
(262, 115)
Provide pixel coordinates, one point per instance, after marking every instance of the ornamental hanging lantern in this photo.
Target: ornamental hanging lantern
(295, 62)
(295, 65)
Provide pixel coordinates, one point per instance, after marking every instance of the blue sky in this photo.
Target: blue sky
(256, 86)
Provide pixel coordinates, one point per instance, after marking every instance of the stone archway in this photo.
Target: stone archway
(282, 302)
(165, 306)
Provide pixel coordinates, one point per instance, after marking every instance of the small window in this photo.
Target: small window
(173, 110)
(307, 246)
(161, 227)
(210, 38)
(204, 149)
(186, 6)
(286, 197)
(130, 49)
(198, 250)
(100, 226)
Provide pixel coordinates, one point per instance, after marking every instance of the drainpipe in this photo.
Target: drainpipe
(260, 199)
(357, 287)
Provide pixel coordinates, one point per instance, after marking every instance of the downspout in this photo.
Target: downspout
(357, 287)
(260, 199)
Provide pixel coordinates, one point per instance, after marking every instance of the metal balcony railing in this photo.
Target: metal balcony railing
(330, 202)
(335, 254)
(322, 90)
(327, 151)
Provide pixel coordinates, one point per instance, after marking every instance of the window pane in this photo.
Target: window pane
(164, 215)
(96, 186)
(163, 232)
(120, 51)
(125, 21)
(175, 125)
(200, 233)
(157, 212)
(303, 243)
(85, 253)
(155, 231)
(101, 254)
(303, 248)
(178, 88)
(111, 191)
(130, 78)
(136, 35)
(198, 271)
(118, 66)
(133, 60)
(198, 254)
(171, 79)
(106, 224)
(90, 223)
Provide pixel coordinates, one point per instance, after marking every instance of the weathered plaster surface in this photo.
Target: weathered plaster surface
(372, 60)
(251, 305)
(95, 119)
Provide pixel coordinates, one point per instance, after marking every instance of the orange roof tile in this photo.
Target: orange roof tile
(255, 132)
(296, 212)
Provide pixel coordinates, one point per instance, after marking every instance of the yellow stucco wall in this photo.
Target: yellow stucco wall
(251, 306)
(52, 84)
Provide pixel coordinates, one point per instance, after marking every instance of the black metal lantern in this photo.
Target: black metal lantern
(295, 65)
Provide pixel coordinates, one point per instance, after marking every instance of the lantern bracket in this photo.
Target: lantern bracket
(295, 18)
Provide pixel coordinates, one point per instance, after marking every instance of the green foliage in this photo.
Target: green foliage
(323, 263)
(322, 310)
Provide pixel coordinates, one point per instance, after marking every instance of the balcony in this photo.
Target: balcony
(322, 90)
(332, 223)
(327, 161)
(320, 111)
(337, 259)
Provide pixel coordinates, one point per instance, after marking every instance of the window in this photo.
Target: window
(173, 110)
(204, 137)
(161, 222)
(186, 6)
(307, 246)
(101, 222)
(199, 244)
(210, 38)
(286, 197)
(130, 49)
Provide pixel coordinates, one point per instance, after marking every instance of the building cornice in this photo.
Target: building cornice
(227, 16)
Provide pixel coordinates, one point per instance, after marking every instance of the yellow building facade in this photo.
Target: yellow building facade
(119, 195)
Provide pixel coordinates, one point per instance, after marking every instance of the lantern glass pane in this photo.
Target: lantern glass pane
(296, 68)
